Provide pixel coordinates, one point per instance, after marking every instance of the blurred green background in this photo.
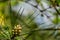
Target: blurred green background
(30, 31)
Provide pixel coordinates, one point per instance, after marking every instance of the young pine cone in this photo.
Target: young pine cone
(17, 30)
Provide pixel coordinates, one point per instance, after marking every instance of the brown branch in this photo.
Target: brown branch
(54, 5)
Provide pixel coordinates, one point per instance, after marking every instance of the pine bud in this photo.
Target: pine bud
(17, 30)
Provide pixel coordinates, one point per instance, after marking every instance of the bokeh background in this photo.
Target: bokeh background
(29, 19)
